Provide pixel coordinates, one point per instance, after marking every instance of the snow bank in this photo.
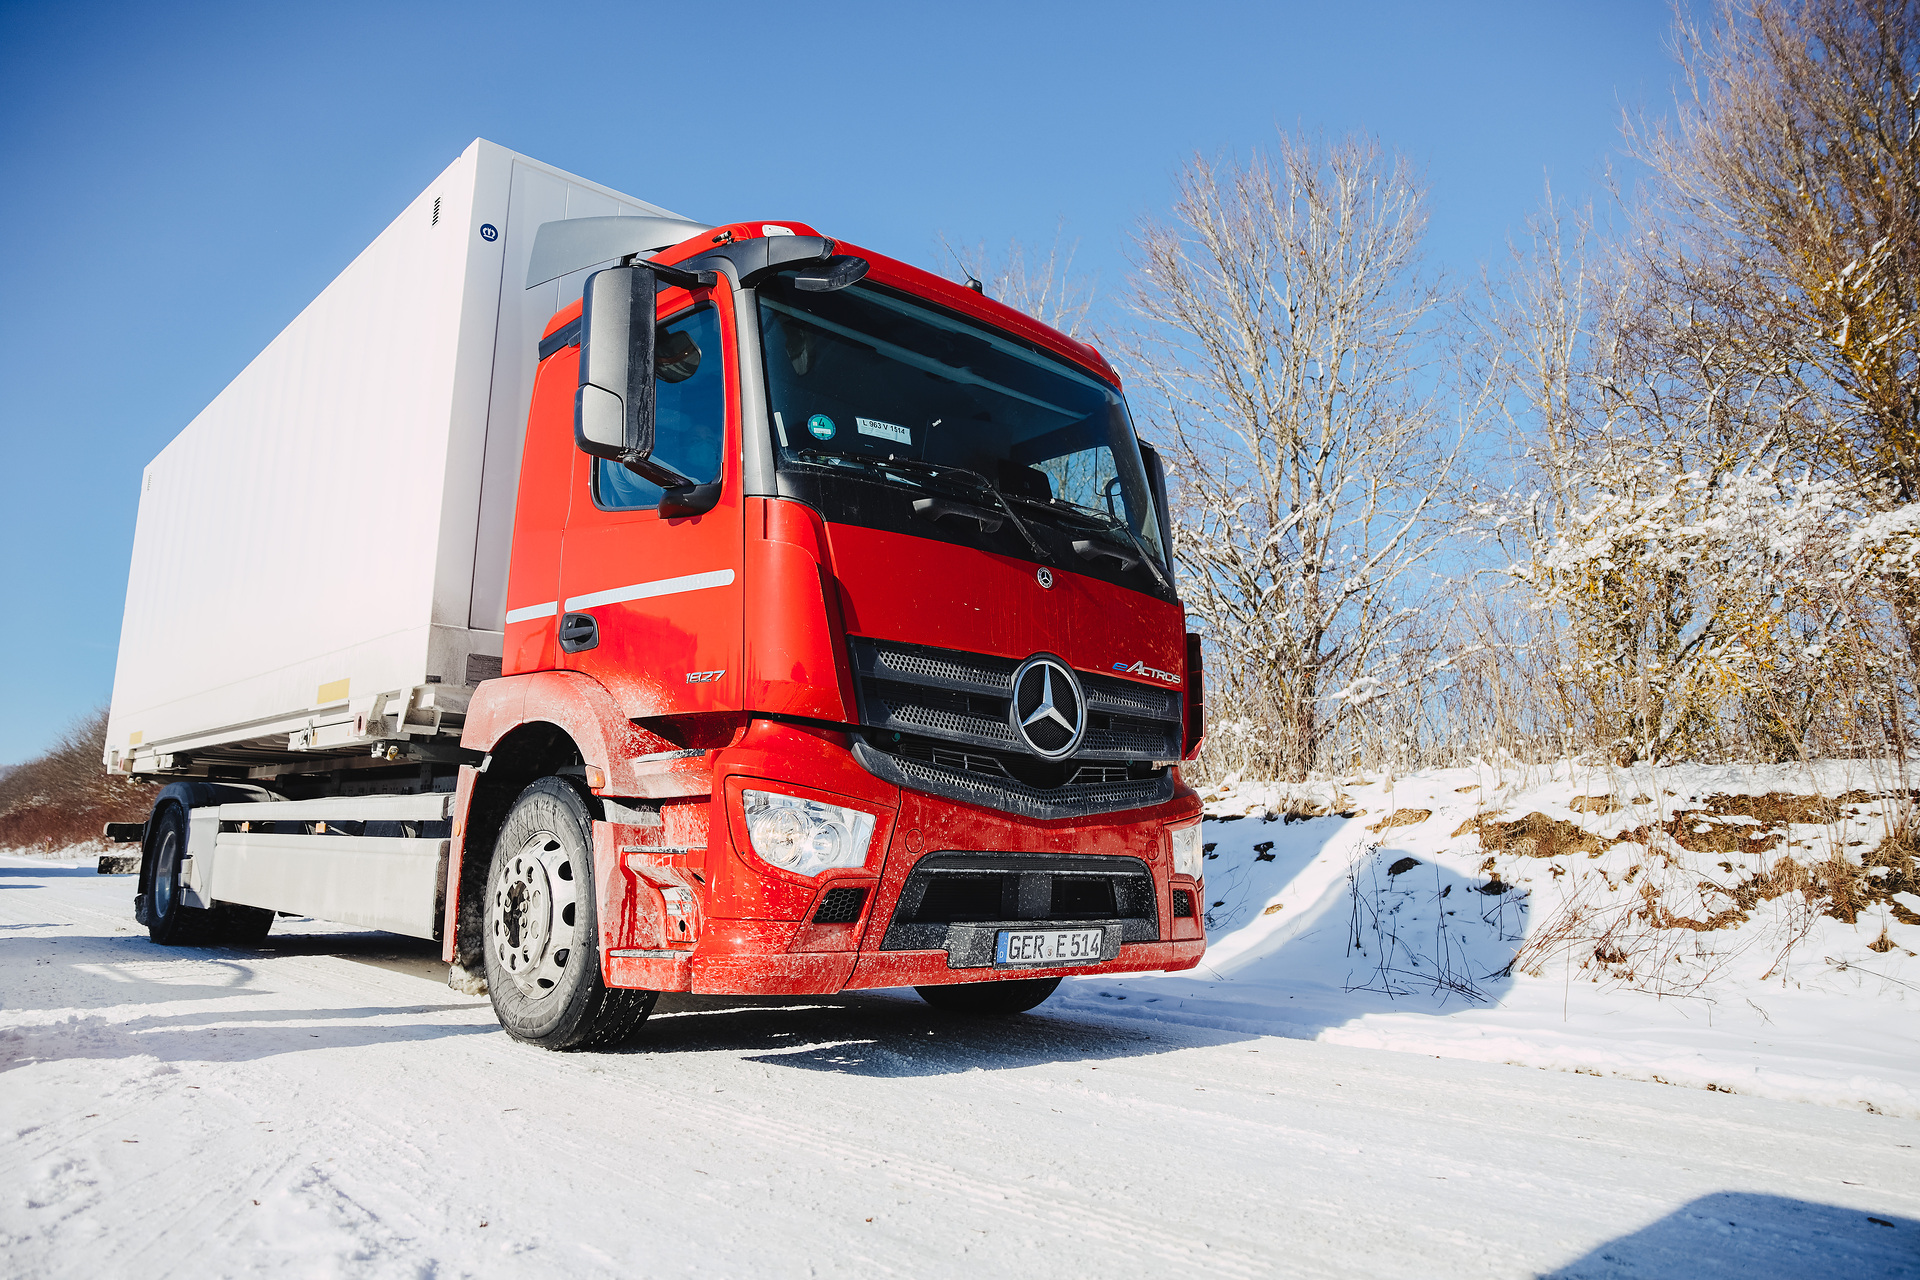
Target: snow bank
(1628, 923)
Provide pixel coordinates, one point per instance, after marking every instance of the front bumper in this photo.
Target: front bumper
(761, 931)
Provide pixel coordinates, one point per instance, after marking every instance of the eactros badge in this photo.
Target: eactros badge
(1049, 711)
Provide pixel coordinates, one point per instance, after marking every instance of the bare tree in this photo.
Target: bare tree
(1045, 287)
(1719, 410)
(1785, 216)
(1288, 354)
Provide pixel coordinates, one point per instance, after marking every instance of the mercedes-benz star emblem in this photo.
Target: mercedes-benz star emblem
(1049, 711)
(1044, 576)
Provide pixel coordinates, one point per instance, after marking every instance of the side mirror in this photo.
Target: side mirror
(613, 408)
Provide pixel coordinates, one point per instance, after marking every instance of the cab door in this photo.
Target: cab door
(651, 606)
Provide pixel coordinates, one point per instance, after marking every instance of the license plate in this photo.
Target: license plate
(1050, 946)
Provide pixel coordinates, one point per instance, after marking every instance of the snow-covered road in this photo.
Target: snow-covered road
(328, 1107)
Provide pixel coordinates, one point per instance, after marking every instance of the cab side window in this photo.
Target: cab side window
(691, 414)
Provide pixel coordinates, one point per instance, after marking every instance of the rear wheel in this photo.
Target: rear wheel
(542, 937)
(1011, 995)
(170, 921)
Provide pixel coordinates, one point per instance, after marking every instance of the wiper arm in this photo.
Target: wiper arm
(1107, 523)
(936, 470)
(820, 457)
(1123, 527)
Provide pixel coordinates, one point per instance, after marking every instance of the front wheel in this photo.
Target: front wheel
(542, 938)
(1011, 995)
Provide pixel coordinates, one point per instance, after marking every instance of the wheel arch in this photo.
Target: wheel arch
(551, 723)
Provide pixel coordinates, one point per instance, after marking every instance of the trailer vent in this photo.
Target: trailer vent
(436, 212)
(840, 906)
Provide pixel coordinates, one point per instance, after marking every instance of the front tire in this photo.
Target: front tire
(990, 999)
(541, 936)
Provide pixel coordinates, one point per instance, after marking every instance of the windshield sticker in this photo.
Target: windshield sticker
(885, 430)
(820, 426)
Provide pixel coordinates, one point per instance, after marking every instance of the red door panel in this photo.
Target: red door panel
(665, 593)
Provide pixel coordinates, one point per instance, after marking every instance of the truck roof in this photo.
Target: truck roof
(891, 271)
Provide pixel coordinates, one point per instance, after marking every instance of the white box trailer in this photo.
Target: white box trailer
(320, 558)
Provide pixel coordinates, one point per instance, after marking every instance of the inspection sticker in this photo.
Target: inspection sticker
(885, 430)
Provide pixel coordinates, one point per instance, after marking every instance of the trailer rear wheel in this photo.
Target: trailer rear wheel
(542, 937)
(1010, 995)
(170, 921)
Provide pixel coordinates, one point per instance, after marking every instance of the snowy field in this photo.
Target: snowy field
(1310, 935)
(1346, 1089)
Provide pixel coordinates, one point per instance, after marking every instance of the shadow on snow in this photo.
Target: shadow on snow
(1736, 1234)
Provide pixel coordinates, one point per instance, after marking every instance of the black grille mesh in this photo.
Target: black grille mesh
(1182, 904)
(840, 906)
(964, 697)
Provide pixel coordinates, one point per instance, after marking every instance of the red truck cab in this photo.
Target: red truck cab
(864, 669)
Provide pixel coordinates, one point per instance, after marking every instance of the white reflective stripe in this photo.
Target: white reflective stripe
(643, 590)
(532, 611)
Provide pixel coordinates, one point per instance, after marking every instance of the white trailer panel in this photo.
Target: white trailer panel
(337, 523)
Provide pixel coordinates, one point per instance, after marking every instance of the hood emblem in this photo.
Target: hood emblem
(1044, 576)
(1049, 710)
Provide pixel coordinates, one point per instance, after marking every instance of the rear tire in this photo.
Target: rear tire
(990, 999)
(170, 921)
(541, 936)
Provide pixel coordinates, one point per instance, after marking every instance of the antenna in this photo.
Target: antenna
(972, 283)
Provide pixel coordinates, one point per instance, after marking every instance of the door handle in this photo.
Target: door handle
(579, 631)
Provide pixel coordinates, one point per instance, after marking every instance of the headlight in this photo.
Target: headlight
(1186, 850)
(805, 836)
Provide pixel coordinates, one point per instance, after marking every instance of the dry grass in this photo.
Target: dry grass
(1534, 836)
(1638, 939)
(1401, 818)
(64, 796)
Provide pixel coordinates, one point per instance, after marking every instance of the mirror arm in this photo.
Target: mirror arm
(658, 472)
(675, 276)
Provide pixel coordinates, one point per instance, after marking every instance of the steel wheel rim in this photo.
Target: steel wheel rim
(166, 861)
(532, 909)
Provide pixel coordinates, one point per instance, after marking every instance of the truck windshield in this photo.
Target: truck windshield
(864, 375)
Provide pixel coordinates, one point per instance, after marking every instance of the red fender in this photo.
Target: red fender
(624, 760)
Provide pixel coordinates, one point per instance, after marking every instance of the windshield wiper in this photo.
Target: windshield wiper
(936, 470)
(821, 457)
(1108, 523)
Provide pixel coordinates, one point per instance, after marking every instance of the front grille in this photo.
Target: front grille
(942, 722)
(840, 906)
(963, 697)
(949, 891)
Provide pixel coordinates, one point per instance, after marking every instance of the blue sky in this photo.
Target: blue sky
(180, 180)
